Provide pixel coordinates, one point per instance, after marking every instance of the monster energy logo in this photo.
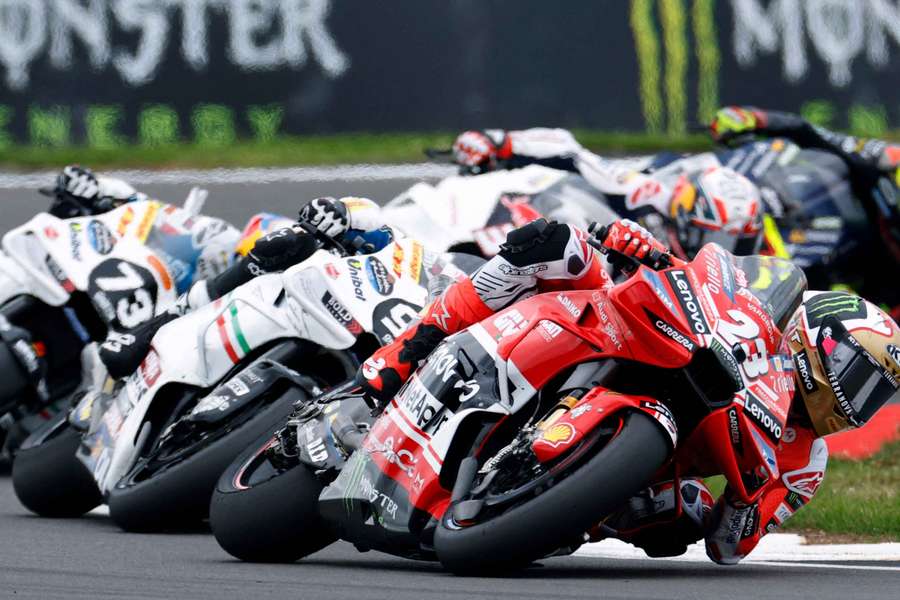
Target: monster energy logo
(673, 17)
(355, 470)
(834, 305)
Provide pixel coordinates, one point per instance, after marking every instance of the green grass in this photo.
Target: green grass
(858, 499)
(307, 150)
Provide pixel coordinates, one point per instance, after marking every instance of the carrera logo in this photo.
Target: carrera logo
(557, 435)
(801, 361)
(734, 430)
(672, 332)
(688, 301)
(763, 417)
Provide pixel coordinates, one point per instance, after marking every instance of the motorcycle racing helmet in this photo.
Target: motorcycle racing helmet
(846, 355)
(716, 205)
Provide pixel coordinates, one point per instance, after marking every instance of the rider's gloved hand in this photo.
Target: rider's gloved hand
(80, 183)
(481, 149)
(628, 238)
(326, 214)
(733, 121)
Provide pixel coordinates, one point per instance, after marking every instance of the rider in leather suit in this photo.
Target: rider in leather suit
(544, 256)
(873, 171)
(869, 208)
(354, 222)
(688, 208)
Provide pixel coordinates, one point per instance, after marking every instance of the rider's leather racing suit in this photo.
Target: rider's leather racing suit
(542, 257)
(873, 173)
(272, 253)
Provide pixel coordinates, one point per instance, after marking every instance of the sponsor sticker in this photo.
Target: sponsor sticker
(557, 435)
(672, 332)
(379, 277)
(734, 430)
(147, 221)
(100, 237)
(355, 268)
(75, 231)
(569, 305)
(415, 262)
(688, 301)
(125, 221)
(341, 314)
(894, 353)
(151, 368)
(763, 417)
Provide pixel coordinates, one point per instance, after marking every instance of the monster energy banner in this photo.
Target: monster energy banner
(106, 72)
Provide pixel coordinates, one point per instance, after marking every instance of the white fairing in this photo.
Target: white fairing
(75, 246)
(458, 209)
(200, 348)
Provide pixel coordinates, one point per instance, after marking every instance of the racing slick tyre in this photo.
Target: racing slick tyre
(261, 512)
(175, 493)
(561, 513)
(48, 478)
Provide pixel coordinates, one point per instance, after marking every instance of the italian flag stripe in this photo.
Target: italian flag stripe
(223, 335)
(242, 341)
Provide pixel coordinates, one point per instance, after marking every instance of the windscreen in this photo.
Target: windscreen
(777, 283)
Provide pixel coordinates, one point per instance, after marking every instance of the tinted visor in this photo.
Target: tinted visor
(860, 384)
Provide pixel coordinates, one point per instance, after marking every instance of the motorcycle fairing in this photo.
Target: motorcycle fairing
(200, 348)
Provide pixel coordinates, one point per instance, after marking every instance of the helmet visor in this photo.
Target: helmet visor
(859, 383)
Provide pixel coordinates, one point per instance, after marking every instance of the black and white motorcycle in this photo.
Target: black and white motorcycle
(66, 282)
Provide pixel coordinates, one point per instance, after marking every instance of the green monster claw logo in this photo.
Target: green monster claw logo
(834, 304)
(674, 17)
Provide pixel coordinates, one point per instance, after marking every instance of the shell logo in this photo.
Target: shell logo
(558, 435)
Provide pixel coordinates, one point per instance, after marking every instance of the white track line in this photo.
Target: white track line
(776, 548)
(364, 172)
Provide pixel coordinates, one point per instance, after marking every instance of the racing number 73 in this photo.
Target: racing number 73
(134, 308)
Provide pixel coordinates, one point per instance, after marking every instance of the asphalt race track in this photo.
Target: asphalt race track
(90, 558)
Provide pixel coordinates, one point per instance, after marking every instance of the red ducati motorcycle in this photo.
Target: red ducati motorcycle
(524, 431)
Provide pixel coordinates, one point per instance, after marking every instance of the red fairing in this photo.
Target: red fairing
(594, 408)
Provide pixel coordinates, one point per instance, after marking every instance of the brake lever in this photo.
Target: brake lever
(655, 259)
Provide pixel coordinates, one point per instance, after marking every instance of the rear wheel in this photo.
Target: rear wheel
(48, 478)
(557, 512)
(262, 511)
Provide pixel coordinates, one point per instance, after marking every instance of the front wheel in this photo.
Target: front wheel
(48, 478)
(574, 502)
(173, 489)
(262, 511)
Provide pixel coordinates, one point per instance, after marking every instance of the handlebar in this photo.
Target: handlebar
(326, 241)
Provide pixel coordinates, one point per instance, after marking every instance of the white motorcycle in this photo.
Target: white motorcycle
(65, 282)
(155, 443)
(473, 214)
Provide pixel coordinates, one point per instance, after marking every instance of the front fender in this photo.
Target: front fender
(594, 408)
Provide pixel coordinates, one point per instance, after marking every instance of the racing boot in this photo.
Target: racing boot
(384, 373)
(651, 520)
